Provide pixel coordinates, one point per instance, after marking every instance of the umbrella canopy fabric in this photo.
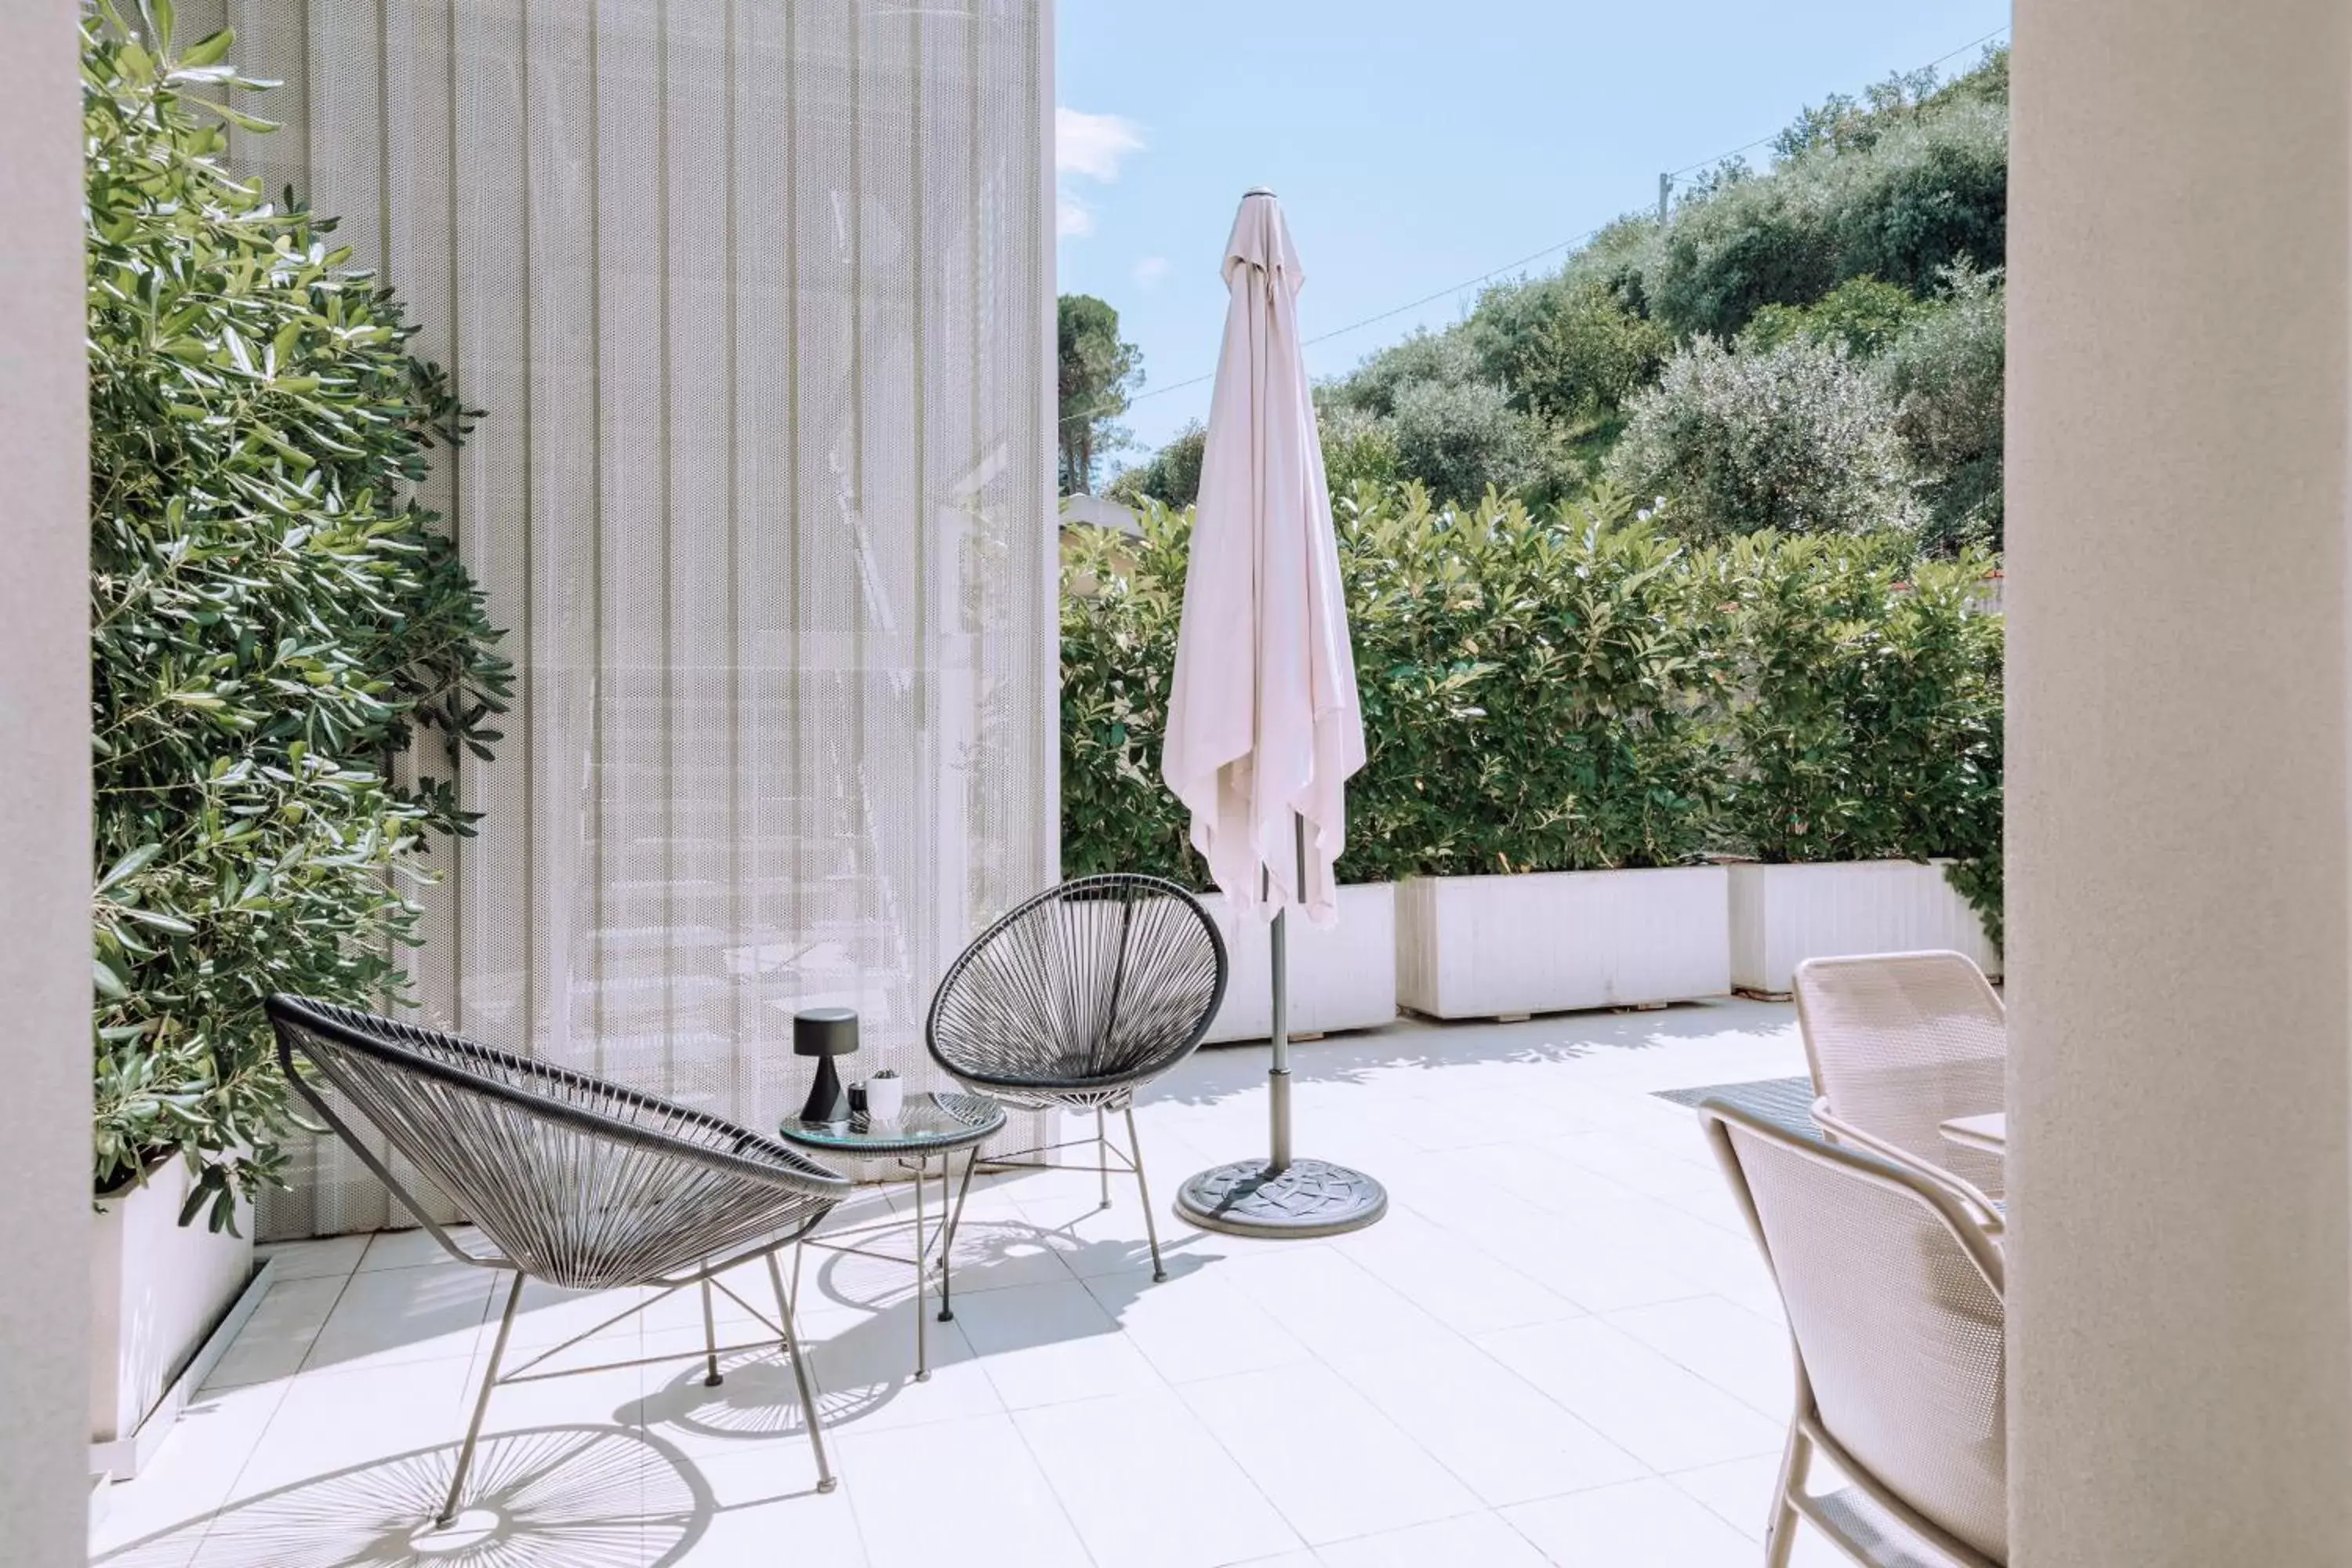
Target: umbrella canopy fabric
(1263, 723)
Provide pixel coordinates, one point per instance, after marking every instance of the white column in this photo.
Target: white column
(2181, 1289)
(45, 1152)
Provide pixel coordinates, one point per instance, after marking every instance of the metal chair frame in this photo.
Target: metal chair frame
(818, 1189)
(1808, 1434)
(1102, 1092)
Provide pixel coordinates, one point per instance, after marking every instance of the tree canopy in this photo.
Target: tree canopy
(1097, 375)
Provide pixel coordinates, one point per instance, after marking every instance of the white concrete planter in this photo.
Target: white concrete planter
(164, 1301)
(1471, 947)
(1344, 978)
(1783, 915)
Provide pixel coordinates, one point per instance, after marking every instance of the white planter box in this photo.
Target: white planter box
(1783, 915)
(158, 1292)
(1552, 941)
(1344, 978)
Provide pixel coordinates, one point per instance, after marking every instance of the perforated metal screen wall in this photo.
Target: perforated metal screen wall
(756, 296)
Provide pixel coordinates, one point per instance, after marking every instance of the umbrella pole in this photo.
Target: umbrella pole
(1279, 1078)
(1281, 1197)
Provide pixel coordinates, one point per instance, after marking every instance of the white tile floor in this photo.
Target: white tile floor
(1559, 1348)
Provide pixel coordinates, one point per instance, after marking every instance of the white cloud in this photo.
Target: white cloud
(1148, 271)
(1086, 147)
(1093, 145)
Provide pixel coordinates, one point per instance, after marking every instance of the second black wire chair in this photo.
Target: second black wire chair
(576, 1182)
(1074, 1001)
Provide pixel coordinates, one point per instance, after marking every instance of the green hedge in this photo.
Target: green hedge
(1863, 717)
(1574, 691)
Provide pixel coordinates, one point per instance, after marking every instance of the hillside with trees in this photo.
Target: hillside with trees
(1811, 347)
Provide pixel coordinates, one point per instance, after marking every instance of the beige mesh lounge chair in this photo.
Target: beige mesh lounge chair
(1895, 1295)
(1901, 1043)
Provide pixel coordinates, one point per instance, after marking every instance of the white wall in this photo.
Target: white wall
(2180, 954)
(45, 1159)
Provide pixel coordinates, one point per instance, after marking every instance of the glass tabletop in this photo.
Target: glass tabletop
(925, 1121)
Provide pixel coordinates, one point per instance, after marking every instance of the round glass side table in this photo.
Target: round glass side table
(927, 1127)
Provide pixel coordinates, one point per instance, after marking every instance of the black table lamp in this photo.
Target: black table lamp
(826, 1033)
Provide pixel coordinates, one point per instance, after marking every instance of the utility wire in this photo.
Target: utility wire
(1384, 315)
(1522, 262)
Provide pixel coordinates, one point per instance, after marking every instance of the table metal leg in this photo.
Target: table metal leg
(947, 1247)
(922, 1271)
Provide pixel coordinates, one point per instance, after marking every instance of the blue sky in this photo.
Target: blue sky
(1414, 144)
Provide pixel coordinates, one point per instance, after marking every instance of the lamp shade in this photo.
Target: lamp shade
(825, 1032)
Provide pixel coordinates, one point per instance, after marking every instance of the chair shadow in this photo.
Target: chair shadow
(1217, 1073)
(550, 1497)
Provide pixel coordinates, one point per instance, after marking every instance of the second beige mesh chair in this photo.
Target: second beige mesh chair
(1901, 1043)
(1895, 1297)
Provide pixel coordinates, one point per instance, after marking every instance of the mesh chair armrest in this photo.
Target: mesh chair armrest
(1982, 1209)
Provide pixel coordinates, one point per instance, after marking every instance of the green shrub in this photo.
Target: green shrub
(1171, 476)
(1574, 691)
(1864, 714)
(1749, 244)
(1526, 684)
(1528, 688)
(1944, 374)
(1461, 440)
(1121, 601)
(1862, 314)
(1567, 346)
(1359, 448)
(274, 619)
(1930, 189)
(1798, 438)
(1428, 411)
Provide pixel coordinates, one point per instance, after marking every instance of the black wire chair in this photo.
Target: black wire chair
(1075, 1000)
(578, 1183)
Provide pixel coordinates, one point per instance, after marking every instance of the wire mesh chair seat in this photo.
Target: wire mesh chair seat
(1899, 1044)
(575, 1181)
(1894, 1293)
(1075, 1000)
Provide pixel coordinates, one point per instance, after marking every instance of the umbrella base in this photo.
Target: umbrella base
(1308, 1198)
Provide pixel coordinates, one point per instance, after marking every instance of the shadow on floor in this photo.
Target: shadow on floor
(1219, 1072)
(554, 1496)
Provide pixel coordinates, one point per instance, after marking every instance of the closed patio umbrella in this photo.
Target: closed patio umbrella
(1264, 725)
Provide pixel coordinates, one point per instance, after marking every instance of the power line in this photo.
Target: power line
(1522, 262)
(1384, 315)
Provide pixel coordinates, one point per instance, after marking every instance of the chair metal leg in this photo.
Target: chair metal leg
(824, 1476)
(1135, 1152)
(1102, 1153)
(710, 1338)
(1781, 1534)
(481, 1406)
